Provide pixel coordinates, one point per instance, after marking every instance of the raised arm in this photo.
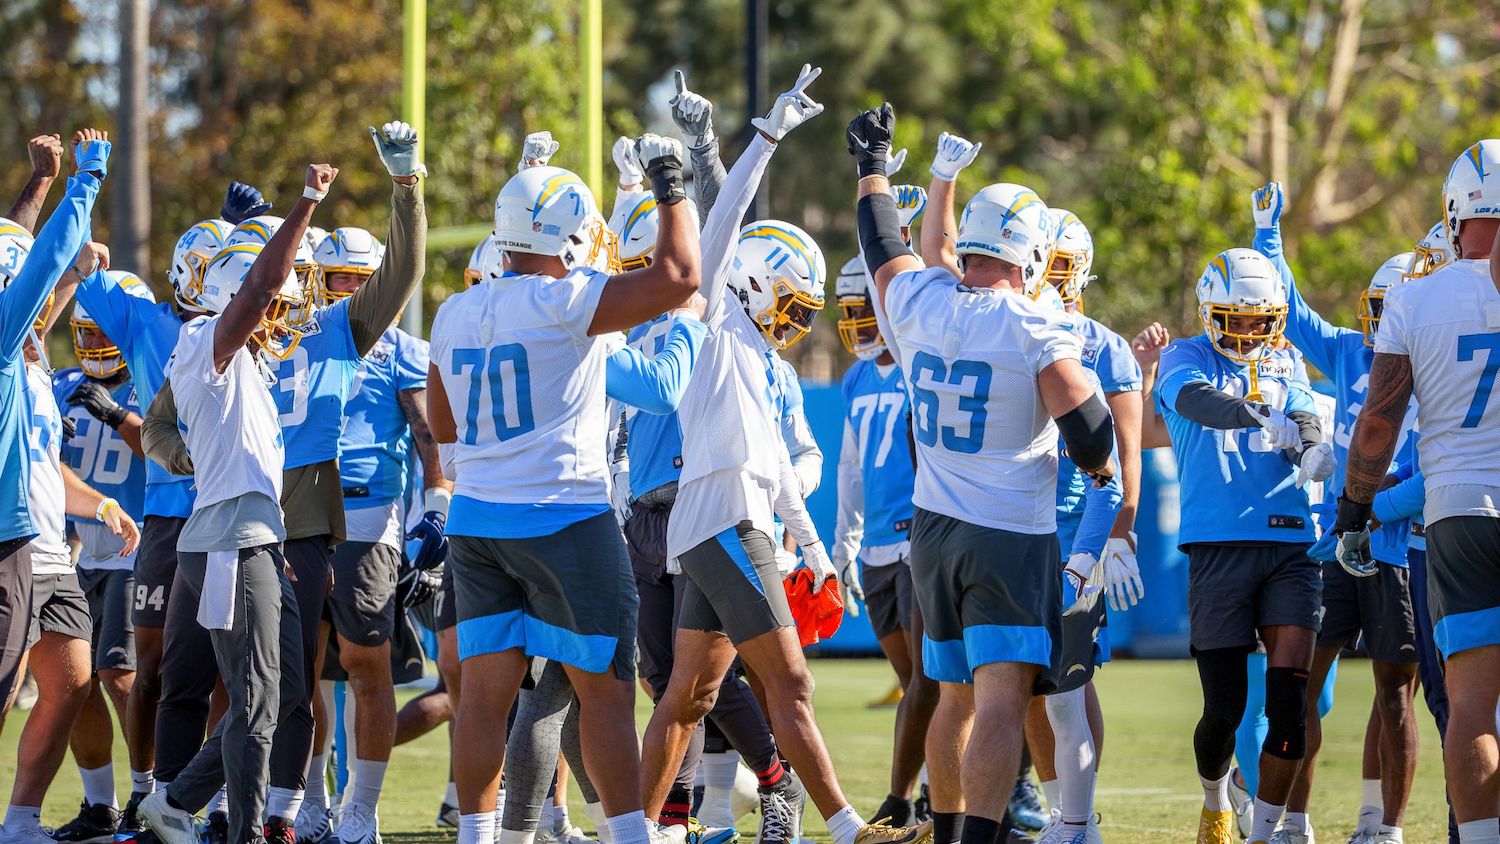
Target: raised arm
(693, 114)
(940, 242)
(378, 302)
(1306, 328)
(656, 384)
(880, 242)
(46, 153)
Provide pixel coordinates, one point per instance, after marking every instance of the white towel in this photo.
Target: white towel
(216, 605)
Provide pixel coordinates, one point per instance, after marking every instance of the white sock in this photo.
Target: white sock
(1073, 755)
(718, 770)
(366, 778)
(283, 803)
(317, 782)
(1266, 817)
(99, 785)
(450, 795)
(22, 818)
(220, 803)
(1216, 794)
(477, 828)
(544, 817)
(1297, 822)
(142, 782)
(560, 819)
(1371, 806)
(1482, 831)
(845, 825)
(514, 836)
(629, 828)
(595, 811)
(1049, 791)
(1392, 832)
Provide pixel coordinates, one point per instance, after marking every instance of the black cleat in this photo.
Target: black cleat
(94, 825)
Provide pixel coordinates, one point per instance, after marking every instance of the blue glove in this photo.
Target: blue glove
(434, 548)
(241, 202)
(1323, 549)
(91, 157)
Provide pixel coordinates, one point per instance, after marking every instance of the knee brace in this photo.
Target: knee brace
(1286, 712)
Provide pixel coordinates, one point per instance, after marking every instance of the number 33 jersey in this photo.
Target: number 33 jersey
(525, 383)
(986, 446)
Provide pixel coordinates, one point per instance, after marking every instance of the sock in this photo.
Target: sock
(629, 828)
(317, 782)
(1073, 755)
(595, 811)
(544, 814)
(560, 821)
(1392, 832)
(282, 803)
(1297, 822)
(477, 828)
(978, 830)
(718, 771)
(1482, 831)
(1050, 791)
(99, 785)
(220, 803)
(1266, 816)
(845, 825)
(1216, 794)
(947, 827)
(922, 776)
(1371, 806)
(514, 836)
(23, 818)
(773, 773)
(450, 795)
(674, 812)
(142, 782)
(366, 778)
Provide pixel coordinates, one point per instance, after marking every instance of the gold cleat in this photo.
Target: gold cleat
(1216, 827)
(892, 698)
(879, 833)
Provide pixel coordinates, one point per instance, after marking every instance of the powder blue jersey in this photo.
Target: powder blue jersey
(654, 440)
(876, 411)
(1235, 487)
(1108, 356)
(146, 333)
(314, 383)
(96, 453)
(376, 439)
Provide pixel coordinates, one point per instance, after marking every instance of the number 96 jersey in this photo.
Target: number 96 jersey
(986, 446)
(101, 459)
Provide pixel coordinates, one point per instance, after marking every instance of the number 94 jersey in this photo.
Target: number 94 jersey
(96, 453)
(986, 446)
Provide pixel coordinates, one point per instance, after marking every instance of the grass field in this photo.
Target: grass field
(1148, 791)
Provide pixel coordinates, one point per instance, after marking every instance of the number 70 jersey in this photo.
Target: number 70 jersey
(986, 446)
(525, 384)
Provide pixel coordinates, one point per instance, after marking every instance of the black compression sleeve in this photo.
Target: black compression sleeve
(1309, 425)
(1211, 408)
(880, 231)
(1089, 434)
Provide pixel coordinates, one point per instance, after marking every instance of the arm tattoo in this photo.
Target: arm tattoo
(1379, 426)
(414, 408)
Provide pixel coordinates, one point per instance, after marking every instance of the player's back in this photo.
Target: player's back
(987, 448)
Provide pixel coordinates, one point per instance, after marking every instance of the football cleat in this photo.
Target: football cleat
(1287, 836)
(280, 831)
(879, 833)
(889, 699)
(1026, 809)
(447, 816)
(130, 817)
(216, 829)
(171, 825)
(661, 834)
(781, 811)
(359, 824)
(1216, 827)
(314, 825)
(922, 806)
(1244, 803)
(94, 824)
(34, 835)
(1367, 837)
(697, 833)
(1067, 833)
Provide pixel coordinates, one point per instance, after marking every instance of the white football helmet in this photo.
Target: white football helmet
(635, 225)
(779, 274)
(345, 250)
(225, 276)
(260, 230)
(1431, 252)
(1372, 298)
(547, 210)
(485, 262)
(1072, 255)
(314, 237)
(195, 248)
(858, 329)
(1008, 222)
(15, 246)
(1240, 284)
(1472, 189)
(104, 361)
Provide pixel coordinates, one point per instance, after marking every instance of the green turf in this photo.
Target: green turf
(1148, 791)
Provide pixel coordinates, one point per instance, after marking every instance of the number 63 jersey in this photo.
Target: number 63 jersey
(1448, 325)
(986, 446)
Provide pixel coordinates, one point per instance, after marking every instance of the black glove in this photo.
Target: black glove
(869, 137)
(415, 586)
(92, 397)
(241, 202)
(69, 427)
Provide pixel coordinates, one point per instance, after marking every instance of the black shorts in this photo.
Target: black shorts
(445, 606)
(15, 617)
(155, 566)
(58, 606)
(646, 539)
(1235, 589)
(734, 586)
(362, 604)
(110, 593)
(889, 600)
(1378, 606)
(1081, 653)
(986, 595)
(1463, 582)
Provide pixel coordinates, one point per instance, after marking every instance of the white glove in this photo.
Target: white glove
(1317, 464)
(396, 144)
(854, 590)
(953, 154)
(537, 150)
(674, 565)
(619, 493)
(693, 114)
(1280, 431)
(651, 147)
(1266, 204)
(791, 109)
(816, 559)
(623, 152)
(895, 162)
(911, 201)
(1081, 589)
(1122, 574)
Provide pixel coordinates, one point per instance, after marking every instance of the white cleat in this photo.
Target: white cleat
(665, 834)
(1287, 836)
(314, 825)
(572, 835)
(359, 824)
(1244, 805)
(32, 835)
(171, 825)
(1057, 832)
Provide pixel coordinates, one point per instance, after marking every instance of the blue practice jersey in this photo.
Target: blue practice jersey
(146, 333)
(376, 438)
(1235, 487)
(654, 441)
(314, 383)
(96, 453)
(875, 407)
(1107, 355)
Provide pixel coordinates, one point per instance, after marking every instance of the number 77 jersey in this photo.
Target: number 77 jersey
(986, 446)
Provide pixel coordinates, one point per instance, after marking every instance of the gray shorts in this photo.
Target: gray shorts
(1378, 606)
(362, 605)
(888, 597)
(986, 595)
(155, 566)
(109, 594)
(1235, 589)
(1463, 582)
(734, 586)
(58, 606)
(568, 596)
(15, 617)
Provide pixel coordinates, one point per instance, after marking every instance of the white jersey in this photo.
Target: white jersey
(1448, 324)
(525, 382)
(228, 419)
(987, 448)
(45, 494)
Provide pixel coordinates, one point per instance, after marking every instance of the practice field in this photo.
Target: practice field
(1148, 791)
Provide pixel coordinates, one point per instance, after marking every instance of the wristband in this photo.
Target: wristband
(665, 175)
(310, 192)
(1353, 516)
(104, 508)
(436, 500)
